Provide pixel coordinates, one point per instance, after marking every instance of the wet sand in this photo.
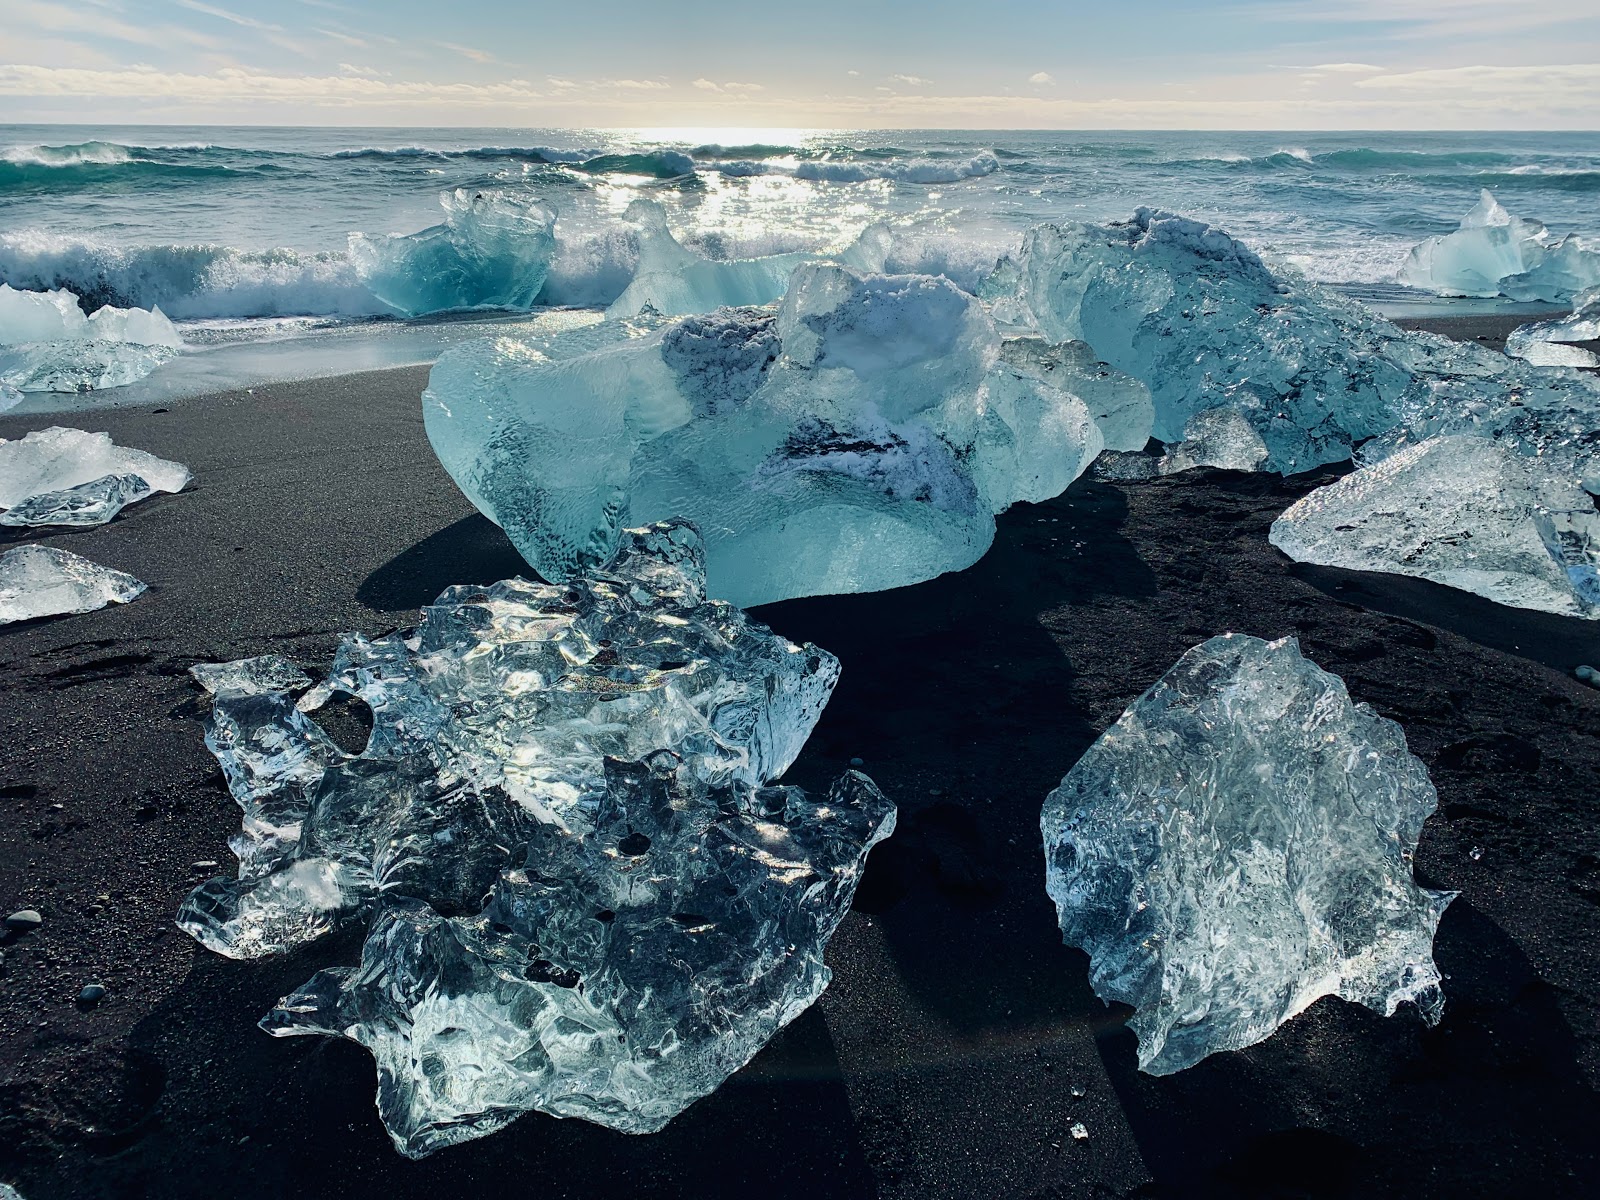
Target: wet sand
(943, 1059)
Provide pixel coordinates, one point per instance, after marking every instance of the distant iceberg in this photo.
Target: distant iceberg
(48, 345)
(1494, 253)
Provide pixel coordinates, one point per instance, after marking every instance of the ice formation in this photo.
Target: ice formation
(1206, 325)
(860, 437)
(1497, 254)
(48, 345)
(1238, 845)
(1462, 511)
(1545, 343)
(492, 251)
(672, 281)
(1119, 404)
(584, 899)
(62, 476)
(41, 581)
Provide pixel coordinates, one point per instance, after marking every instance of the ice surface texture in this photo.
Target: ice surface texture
(41, 581)
(1497, 254)
(1543, 343)
(62, 476)
(584, 899)
(492, 251)
(48, 345)
(1462, 511)
(1238, 845)
(863, 436)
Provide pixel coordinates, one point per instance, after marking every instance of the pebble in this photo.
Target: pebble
(1588, 674)
(92, 993)
(24, 920)
(858, 762)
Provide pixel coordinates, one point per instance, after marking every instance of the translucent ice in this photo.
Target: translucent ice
(1238, 845)
(1495, 254)
(1119, 403)
(860, 437)
(492, 251)
(584, 898)
(1462, 511)
(48, 345)
(1544, 343)
(1218, 437)
(251, 676)
(41, 581)
(62, 476)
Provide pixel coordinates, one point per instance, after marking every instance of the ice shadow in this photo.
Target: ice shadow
(1333, 1104)
(215, 1106)
(472, 550)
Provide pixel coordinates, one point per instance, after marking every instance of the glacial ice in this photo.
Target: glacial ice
(1544, 343)
(1206, 325)
(860, 437)
(62, 476)
(584, 899)
(48, 345)
(1496, 254)
(493, 250)
(1237, 845)
(1462, 511)
(1119, 404)
(41, 581)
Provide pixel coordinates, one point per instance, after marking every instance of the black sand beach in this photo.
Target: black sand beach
(944, 1058)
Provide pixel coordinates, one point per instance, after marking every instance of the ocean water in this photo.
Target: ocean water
(241, 233)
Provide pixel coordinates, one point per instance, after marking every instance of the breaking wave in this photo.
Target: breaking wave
(914, 170)
(57, 168)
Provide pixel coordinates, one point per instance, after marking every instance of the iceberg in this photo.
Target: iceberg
(493, 250)
(41, 581)
(1239, 845)
(62, 476)
(48, 345)
(584, 897)
(1462, 511)
(862, 436)
(1496, 254)
(1545, 343)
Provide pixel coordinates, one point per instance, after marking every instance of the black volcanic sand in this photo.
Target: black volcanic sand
(945, 1058)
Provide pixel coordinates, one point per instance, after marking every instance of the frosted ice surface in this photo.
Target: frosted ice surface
(493, 250)
(72, 477)
(1218, 437)
(1462, 511)
(585, 900)
(1119, 403)
(1237, 845)
(41, 581)
(251, 676)
(92, 503)
(860, 437)
(1542, 343)
(1494, 253)
(48, 345)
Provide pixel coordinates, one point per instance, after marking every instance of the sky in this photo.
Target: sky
(978, 64)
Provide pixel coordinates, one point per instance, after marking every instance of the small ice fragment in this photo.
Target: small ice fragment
(1218, 437)
(48, 345)
(92, 503)
(250, 676)
(1543, 343)
(41, 581)
(1079, 1132)
(1237, 845)
(1475, 853)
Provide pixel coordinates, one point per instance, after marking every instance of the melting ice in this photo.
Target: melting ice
(48, 345)
(41, 581)
(583, 897)
(62, 476)
(1238, 845)
(1497, 254)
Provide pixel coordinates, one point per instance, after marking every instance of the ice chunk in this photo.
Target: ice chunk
(1494, 253)
(492, 251)
(585, 900)
(1218, 437)
(41, 581)
(1462, 511)
(48, 345)
(1238, 845)
(251, 676)
(62, 476)
(1119, 403)
(92, 503)
(861, 437)
(672, 281)
(1543, 343)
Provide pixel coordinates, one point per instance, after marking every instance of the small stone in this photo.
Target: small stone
(1475, 853)
(858, 762)
(24, 920)
(1588, 674)
(92, 993)
(1078, 1132)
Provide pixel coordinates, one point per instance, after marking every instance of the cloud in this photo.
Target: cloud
(68, 19)
(223, 14)
(637, 85)
(911, 80)
(1041, 77)
(707, 85)
(349, 39)
(238, 85)
(364, 72)
(1430, 18)
(1483, 84)
(1346, 68)
(468, 52)
(852, 74)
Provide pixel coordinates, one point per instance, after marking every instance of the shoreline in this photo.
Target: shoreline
(942, 1059)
